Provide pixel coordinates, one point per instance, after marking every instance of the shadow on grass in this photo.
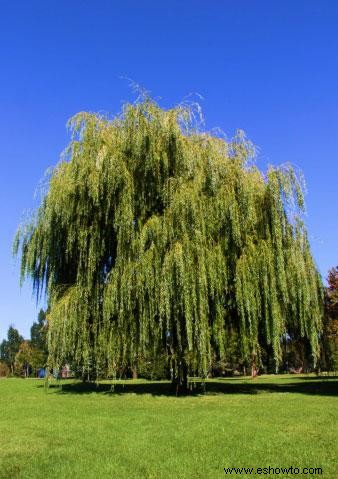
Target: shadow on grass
(318, 386)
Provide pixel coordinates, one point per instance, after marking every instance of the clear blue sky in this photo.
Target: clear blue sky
(270, 68)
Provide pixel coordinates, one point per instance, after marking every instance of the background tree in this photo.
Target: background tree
(39, 335)
(22, 359)
(330, 330)
(157, 236)
(4, 369)
(10, 346)
(28, 359)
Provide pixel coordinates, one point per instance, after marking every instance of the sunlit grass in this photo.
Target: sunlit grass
(141, 431)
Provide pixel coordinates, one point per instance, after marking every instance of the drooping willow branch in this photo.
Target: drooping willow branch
(151, 228)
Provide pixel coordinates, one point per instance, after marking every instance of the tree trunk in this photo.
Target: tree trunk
(180, 379)
(254, 370)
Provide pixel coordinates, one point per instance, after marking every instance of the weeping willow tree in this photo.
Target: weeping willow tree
(155, 236)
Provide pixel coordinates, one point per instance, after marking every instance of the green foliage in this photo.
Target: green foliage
(151, 227)
(153, 367)
(28, 359)
(10, 346)
(39, 335)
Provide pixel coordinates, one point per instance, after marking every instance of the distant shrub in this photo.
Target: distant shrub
(154, 368)
(4, 370)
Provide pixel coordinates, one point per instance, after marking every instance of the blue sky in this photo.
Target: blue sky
(270, 68)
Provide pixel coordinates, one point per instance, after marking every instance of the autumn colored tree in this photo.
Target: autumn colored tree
(332, 291)
(330, 332)
(4, 369)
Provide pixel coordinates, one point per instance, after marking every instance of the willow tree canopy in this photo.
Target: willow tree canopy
(156, 236)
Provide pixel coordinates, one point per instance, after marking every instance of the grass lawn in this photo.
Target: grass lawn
(141, 431)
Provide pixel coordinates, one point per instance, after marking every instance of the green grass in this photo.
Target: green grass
(141, 431)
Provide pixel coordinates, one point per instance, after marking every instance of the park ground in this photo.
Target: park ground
(140, 430)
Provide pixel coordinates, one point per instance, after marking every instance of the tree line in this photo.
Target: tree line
(24, 357)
